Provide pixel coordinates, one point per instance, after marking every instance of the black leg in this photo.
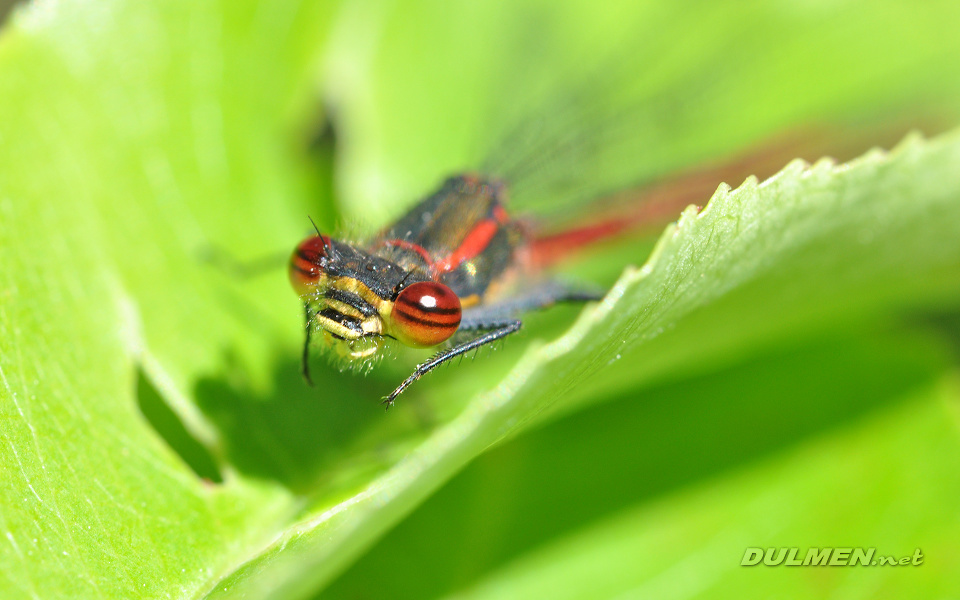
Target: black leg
(500, 330)
(305, 357)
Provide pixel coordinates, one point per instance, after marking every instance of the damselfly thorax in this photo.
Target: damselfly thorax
(437, 275)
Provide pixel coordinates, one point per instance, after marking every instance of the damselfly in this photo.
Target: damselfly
(457, 271)
(436, 277)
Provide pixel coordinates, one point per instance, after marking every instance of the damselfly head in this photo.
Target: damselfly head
(358, 300)
(325, 274)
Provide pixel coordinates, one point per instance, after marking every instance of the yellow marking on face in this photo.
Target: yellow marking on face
(344, 308)
(349, 284)
(370, 325)
(331, 326)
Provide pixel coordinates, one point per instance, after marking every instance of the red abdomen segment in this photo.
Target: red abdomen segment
(305, 261)
(425, 314)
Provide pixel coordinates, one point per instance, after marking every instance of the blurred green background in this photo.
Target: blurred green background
(781, 373)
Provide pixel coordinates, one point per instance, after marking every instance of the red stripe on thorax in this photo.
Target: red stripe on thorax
(476, 242)
(412, 247)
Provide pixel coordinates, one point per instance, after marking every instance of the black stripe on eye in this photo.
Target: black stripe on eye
(422, 319)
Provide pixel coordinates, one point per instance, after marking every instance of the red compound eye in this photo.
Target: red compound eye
(305, 264)
(425, 314)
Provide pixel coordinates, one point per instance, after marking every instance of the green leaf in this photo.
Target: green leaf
(794, 256)
(870, 487)
(157, 438)
(126, 134)
(686, 463)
